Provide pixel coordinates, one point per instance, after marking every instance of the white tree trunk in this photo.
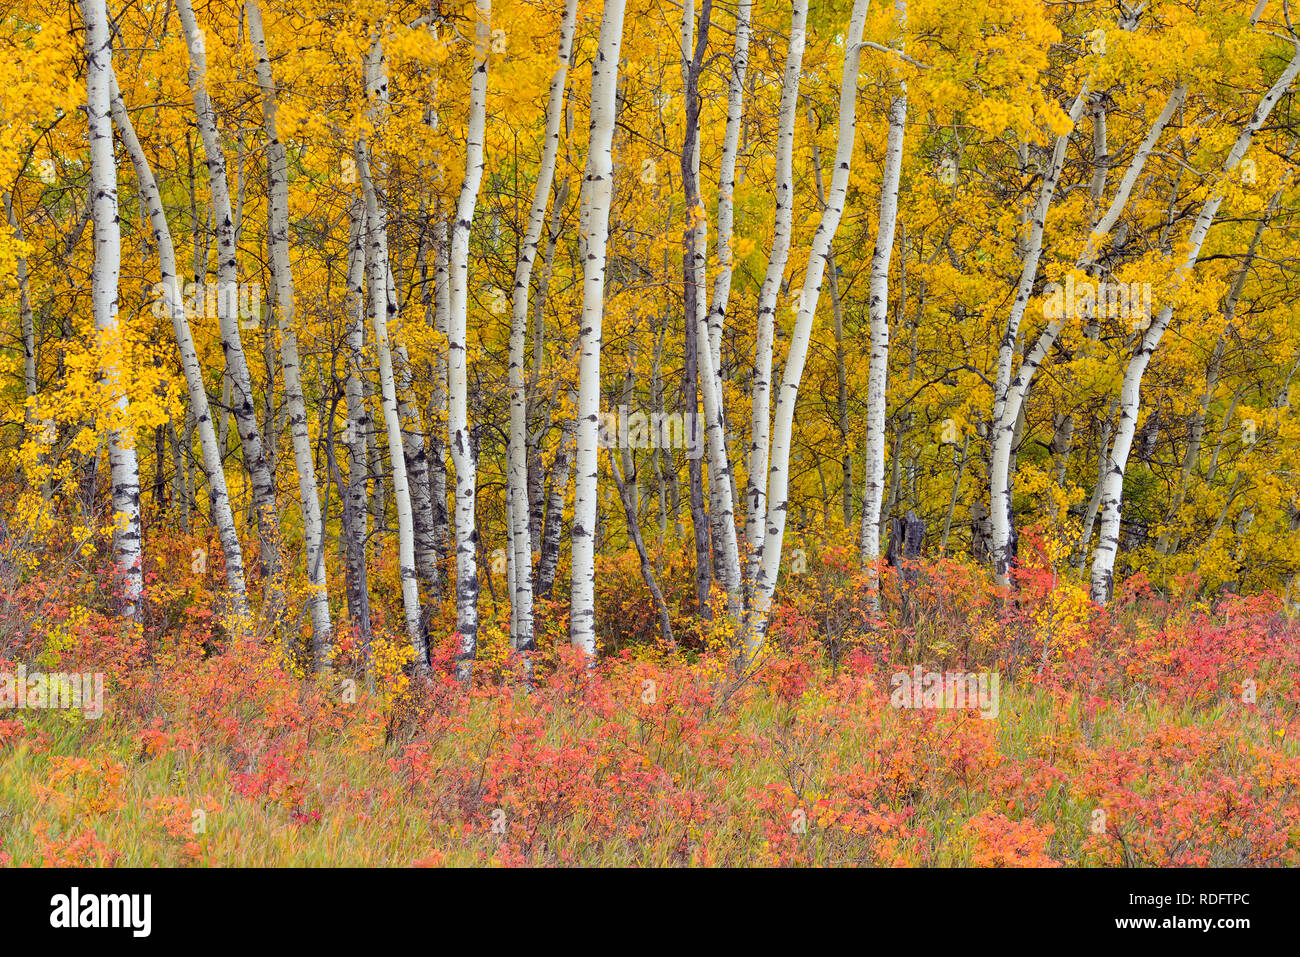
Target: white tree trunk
(417, 470)
(721, 510)
(721, 475)
(261, 479)
(1004, 427)
(521, 595)
(458, 433)
(778, 474)
(437, 307)
(377, 230)
(1103, 563)
(597, 192)
(878, 365)
(694, 235)
(553, 523)
(1009, 393)
(128, 558)
(760, 417)
(1063, 435)
(438, 403)
(299, 429)
(417, 459)
(174, 303)
(359, 424)
(719, 468)
(727, 184)
(1168, 541)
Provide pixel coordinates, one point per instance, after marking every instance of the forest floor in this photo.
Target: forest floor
(1154, 733)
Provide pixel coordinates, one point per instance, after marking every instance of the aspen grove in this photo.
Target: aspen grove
(467, 352)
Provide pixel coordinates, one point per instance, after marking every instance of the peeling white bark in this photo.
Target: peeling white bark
(261, 478)
(296, 407)
(438, 403)
(377, 241)
(727, 184)
(417, 460)
(597, 192)
(521, 593)
(1009, 393)
(760, 417)
(128, 556)
(708, 347)
(721, 475)
(359, 424)
(200, 410)
(778, 483)
(878, 364)
(1103, 563)
(458, 432)
(1004, 424)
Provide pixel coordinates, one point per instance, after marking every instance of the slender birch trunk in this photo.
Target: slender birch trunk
(128, 558)
(837, 322)
(521, 597)
(417, 469)
(261, 478)
(553, 523)
(278, 239)
(878, 364)
(458, 433)
(760, 419)
(424, 442)
(1009, 397)
(416, 457)
(779, 470)
(698, 312)
(694, 250)
(1212, 467)
(1168, 541)
(597, 191)
(1094, 502)
(438, 402)
(174, 303)
(727, 185)
(359, 425)
(536, 492)
(374, 438)
(1004, 425)
(377, 231)
(1063, 434)
(723, 492)
(1103, 564)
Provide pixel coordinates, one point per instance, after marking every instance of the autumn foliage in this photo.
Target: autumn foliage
(1123, 738)
(321, 326)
